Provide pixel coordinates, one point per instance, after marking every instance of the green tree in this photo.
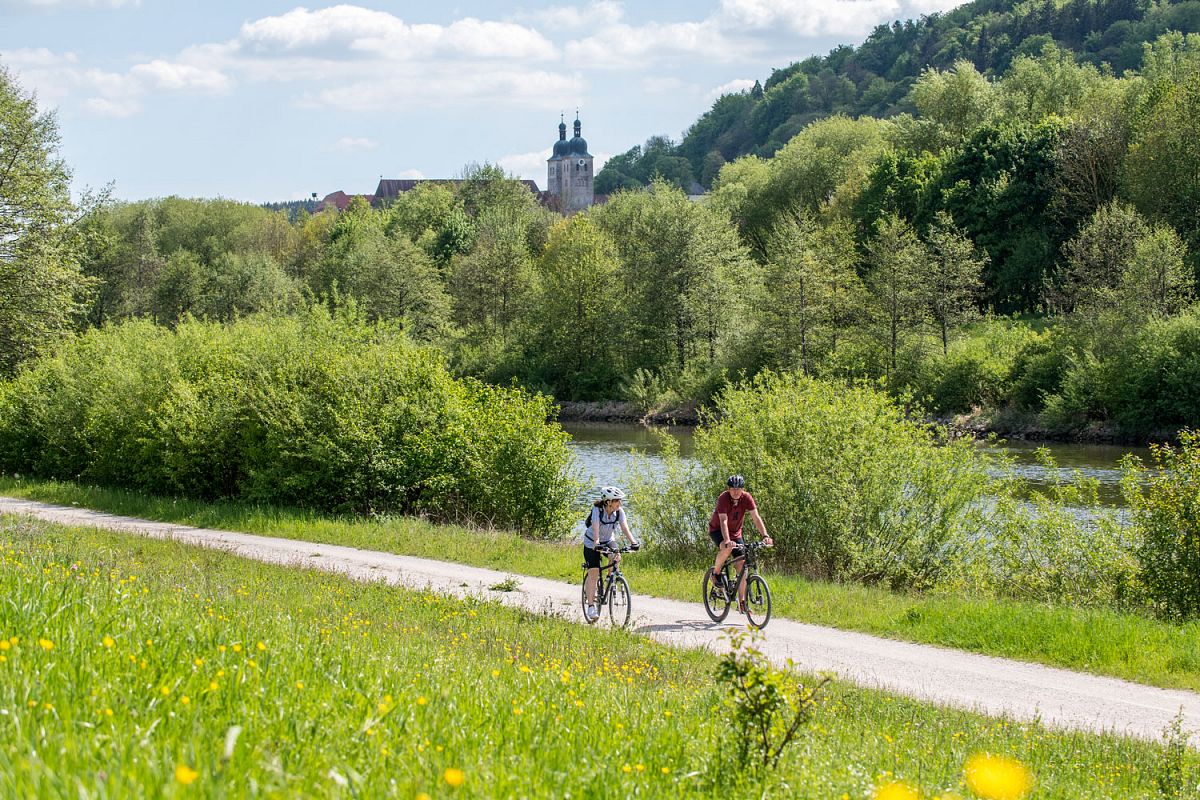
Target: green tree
(1098, 257)
(1157, 280)
(957, 100)
(578, 311)
(42, 287)
(954, 284)
(897, 278)
(795, 312)
(491, 284)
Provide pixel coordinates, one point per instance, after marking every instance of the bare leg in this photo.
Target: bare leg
(589, 585)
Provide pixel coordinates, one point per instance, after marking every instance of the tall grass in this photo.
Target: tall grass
(146, 668)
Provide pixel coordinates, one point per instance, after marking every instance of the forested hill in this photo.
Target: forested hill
(875, 78)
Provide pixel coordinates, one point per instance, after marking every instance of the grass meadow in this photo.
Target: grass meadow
(136, 667)
(1123, 645)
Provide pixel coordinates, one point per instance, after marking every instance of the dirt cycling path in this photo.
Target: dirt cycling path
(996, 686)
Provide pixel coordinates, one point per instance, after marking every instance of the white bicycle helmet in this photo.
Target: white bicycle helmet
(611, 493)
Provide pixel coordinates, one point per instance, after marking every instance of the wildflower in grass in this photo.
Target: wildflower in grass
(108, 712)
(185, 700)
(626, 769)
(4, 645)
(422, 796)
(46, 644)
(454, 777)
(199, 662)
(666, 770)
(213, 686)
(495, 673)
(261, 646)
(896, 791)
(237, 648)
(185, 774)
(164, 690)
(421, 700)
(108, 641)
(299, 684)
(997, 777)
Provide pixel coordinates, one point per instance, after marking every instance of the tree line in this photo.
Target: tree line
(864, 248)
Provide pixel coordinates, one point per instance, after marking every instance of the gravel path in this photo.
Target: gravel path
(997, 686)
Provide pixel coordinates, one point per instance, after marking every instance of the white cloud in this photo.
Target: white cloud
(412, 174)
(527, 165)
(661, 85)
(512, 86)
(159, 74)
(597, 13)
(104, 107)
(733, 87)
(353, 32)
(351, 144)
(624, 46)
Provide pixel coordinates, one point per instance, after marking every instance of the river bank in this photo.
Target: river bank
(979, 423)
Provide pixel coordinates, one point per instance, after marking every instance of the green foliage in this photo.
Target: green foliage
(766, 706)
(1038, 548)
(41, 286)
(850, 487)
(1165, 503)
(314, 410)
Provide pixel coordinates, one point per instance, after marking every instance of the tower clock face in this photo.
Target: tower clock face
(581, 162)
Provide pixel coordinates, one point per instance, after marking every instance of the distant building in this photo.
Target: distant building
(569, 175)
(569, 172)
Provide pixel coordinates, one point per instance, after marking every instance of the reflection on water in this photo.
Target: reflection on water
(604, 453)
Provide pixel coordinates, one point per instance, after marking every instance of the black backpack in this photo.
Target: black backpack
(587, 521)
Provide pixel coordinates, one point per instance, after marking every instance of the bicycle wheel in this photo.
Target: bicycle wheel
(715, 601)
(584, 600)
(758, 602)
(619, 602)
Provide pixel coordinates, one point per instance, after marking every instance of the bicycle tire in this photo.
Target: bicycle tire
(583, 599)
(619, 602)
(758, 602)
(713, 599)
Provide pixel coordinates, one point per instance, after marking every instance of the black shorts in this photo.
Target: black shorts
(591, 557)
(738, 550)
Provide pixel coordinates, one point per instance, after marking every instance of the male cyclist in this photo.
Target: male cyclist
(725, 529)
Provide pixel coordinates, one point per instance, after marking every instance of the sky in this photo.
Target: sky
(272, 101)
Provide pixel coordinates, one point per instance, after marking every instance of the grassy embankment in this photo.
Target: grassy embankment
(1099, 641)
(141, 667)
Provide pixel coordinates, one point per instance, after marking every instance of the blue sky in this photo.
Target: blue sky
(273, 100)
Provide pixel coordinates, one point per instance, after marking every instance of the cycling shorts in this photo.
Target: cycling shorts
(738, 550)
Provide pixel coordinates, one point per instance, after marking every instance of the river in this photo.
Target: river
(604, 451)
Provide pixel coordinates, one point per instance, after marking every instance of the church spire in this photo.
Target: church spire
(562, 127)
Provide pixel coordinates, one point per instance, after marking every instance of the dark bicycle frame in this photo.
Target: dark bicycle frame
(749, 565)
(613, 568)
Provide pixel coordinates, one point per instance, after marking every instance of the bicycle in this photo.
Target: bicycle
(718, 598)
(612, 591)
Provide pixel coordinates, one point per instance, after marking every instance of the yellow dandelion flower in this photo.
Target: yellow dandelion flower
(299, 684)
(454, 777)
(626, 769)
(422, 796)
(896, 791)
(4, 645)
(108, 712)
(108, 641)
(640, 767)
(261, 646)
(45, 644)
(185, 774)
(421, 700)
(185, 700)
(213, 686)
(237, 648)
(997, 777)
(164, 690)
(3, 659)
(14, 640)
(199, 662)
(666, 770)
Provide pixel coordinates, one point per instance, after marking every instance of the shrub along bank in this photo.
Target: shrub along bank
(316, 410)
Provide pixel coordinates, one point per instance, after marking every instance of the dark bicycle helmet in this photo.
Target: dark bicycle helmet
(736, 482)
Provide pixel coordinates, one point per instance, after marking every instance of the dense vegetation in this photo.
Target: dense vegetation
(863, 248)
(876, 78)
(312, 410)
(135, 667)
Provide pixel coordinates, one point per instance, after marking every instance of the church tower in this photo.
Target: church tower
(569, 174)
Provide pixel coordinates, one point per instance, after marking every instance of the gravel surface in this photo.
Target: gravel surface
(996, 686)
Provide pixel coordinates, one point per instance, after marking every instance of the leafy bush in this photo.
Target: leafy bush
(1041, 547)
(1165, 503)
(674, 504)
(318, 410)
(849, 486)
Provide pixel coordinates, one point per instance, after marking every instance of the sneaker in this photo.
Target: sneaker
(591, 613)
